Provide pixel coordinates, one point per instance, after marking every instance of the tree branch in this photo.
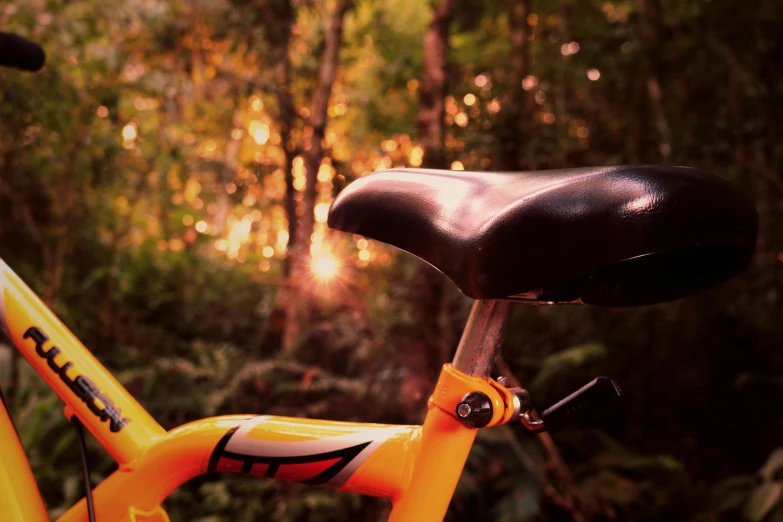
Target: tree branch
(562, 492)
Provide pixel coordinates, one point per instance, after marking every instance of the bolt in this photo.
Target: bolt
(464, 410)
(475, 409)
(504, 381)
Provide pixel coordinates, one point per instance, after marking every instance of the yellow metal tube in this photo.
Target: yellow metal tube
(20, 500)
(113, 416)
(369, 459)
(444, 448)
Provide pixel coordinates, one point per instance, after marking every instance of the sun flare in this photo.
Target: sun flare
(325, 267)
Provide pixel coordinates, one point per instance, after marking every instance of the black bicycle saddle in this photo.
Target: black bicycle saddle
(615, 236)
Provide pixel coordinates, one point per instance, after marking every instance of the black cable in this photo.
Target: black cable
(85, 468)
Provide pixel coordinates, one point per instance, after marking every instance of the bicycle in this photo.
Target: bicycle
(609, 236)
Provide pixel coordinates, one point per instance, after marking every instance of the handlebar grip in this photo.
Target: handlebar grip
(587, 404)
(17, 51)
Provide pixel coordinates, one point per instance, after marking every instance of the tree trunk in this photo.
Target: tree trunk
(561, 103)
(228, 173)
(432, 91)
(287, 114)
(519, 34)
(318, 118)
(65, 211)
(651, 29)
(426, 294)
(297, 306)
(281, 39)
(514, 123)
(520, 69)
(278, 19)
(553, 477)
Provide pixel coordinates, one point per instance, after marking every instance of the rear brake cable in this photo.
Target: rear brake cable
(77, 424)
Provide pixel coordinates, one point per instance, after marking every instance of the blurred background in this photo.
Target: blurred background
(165, 182)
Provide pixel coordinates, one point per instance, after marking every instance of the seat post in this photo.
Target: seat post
(482, 338)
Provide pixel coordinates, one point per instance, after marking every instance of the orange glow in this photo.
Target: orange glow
(567, 49)
(529, 82)
(324, 172)
(416, 156)
(260, 132)
(325, 267)
(340, 109)
(129, 132)
(321, 212)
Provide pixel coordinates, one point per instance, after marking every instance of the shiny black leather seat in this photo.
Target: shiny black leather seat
(617, 236)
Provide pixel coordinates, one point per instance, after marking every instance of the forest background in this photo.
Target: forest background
(164, 185)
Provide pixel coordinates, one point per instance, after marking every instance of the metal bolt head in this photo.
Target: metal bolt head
(464, 410)
(474, 409)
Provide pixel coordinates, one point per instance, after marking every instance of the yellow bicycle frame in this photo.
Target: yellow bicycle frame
(416, 467)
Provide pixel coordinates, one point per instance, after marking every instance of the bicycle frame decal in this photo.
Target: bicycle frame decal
(99, 404)
(318, 459)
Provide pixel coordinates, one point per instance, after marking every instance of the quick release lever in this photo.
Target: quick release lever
(586, 405)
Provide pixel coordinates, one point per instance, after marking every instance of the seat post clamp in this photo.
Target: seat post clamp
(475, 402)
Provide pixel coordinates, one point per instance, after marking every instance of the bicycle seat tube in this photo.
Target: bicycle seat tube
(482, 338)
(446, 441)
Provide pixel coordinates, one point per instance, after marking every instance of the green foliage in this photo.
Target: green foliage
(766, 499)
(570, 359)
(763, 499)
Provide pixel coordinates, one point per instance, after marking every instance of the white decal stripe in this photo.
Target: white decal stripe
(242, 445)
(3, 284)
(376, 436)
(357, 461)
